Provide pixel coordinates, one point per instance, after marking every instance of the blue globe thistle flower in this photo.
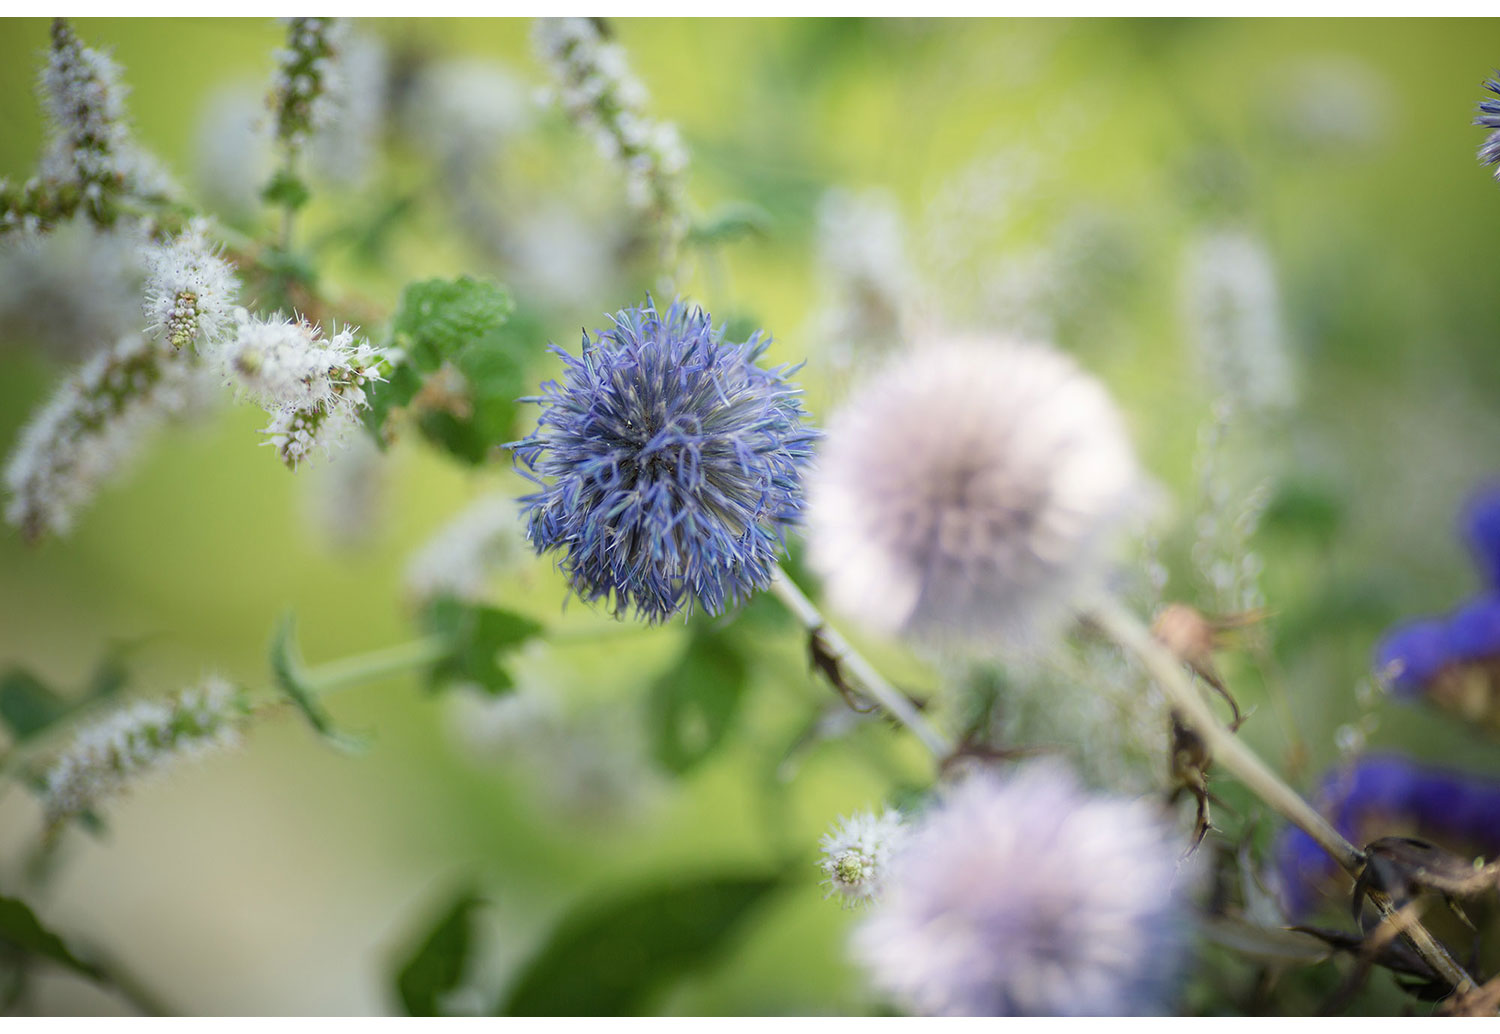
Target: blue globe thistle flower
(1489, 118)
(675, 464)
(1412, 653)
(1385, 795)
(1480, 523)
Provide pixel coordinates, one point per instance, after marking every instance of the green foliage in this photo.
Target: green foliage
(613, 958)
(286, 190)
(464, 370)
(476, 638)
(436, 965)
(28, 705)
(287, 671)
(20, 929)
(729, 222)
(694, 705)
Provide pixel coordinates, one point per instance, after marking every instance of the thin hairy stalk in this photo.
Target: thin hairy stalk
(1235, 755)
(870, 682)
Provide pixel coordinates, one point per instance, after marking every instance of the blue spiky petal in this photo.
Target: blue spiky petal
(670, 465)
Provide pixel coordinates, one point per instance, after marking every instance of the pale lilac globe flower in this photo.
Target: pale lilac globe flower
(969, 492)
(1025, 895)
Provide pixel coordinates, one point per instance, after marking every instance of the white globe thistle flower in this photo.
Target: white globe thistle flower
(463, 557)
(1232, 310)
(857, 855)
(1022, 895)
(73, 289)
(145, 737)
(969, 492)
(92, 426)
(190, 290)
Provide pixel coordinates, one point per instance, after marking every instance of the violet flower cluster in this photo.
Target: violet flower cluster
(1449, 659)
(1386, 795)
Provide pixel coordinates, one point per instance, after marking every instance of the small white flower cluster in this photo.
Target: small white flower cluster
(138, 740)
(868, 285)
(73, 288)
(857, 855)
(312, 386)
(463, 110)
(465, 554)
(306, 86)
(190, 289)
(1232, 310)
(602, 96)
(92, 147)
(343, 148)
(92, 425)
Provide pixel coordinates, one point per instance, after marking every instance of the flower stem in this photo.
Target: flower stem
(870, 681)
(1128, 631)
(367, 667)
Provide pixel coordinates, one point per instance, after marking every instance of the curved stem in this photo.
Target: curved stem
(1128, 631)
(870, 681)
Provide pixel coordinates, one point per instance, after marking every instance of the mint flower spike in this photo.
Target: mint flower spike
(190, 290)
(969, 493)
(92, 427)
(672, 463)
(105, 758)
(1026, 895)
(307, 83)
(601, 95)
(312, 385)
(92, 157)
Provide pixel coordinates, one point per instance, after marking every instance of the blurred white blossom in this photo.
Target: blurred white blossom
(969, 493)
(465, 555)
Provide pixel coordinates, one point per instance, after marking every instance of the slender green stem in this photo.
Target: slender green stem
(367, 667)
(1235, 755)
(870, 681)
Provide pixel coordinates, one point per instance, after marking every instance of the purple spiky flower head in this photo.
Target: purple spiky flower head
(673, 464)
(1480, 521)
(1026, 895)
(1489, 118)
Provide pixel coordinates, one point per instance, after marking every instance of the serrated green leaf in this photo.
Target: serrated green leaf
(438, 318)
(612, 958)
(286, 670)
(286, 190)
(397, 390)
(437, 964)
(477, 637)
(694, 705)
(20, 928)
(27, 706)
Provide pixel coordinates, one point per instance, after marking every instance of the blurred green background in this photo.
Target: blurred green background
(286, 878)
